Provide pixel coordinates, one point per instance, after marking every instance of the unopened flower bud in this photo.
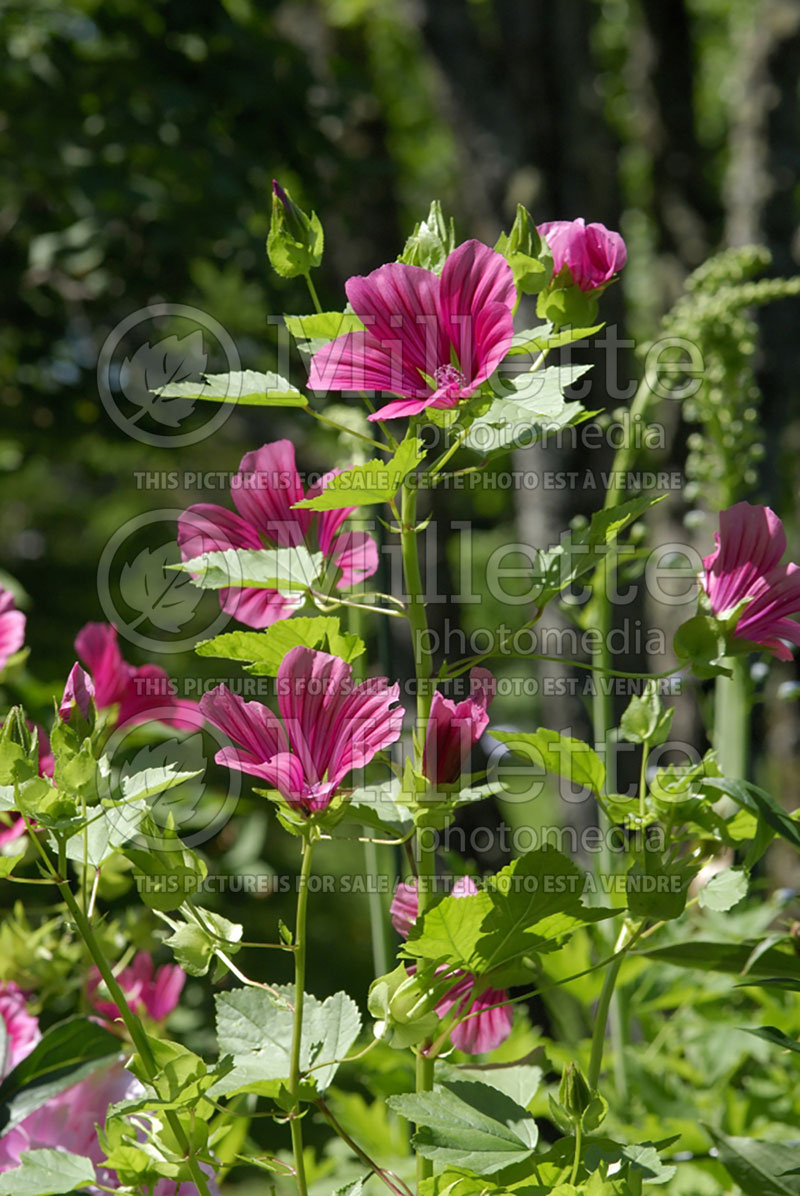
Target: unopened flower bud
(574, 1093)
(295, 240)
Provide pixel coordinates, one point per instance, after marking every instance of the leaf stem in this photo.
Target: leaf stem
(312, 290)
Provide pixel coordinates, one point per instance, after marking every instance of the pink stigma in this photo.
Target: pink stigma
(449, 376)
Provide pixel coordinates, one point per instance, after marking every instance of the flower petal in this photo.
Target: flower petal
(265, 490)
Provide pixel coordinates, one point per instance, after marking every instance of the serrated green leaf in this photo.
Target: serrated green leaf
(534, 406)
(323, 326)
(248, 388)
(528, 907)
(48, 1173)
(724, 890)
(290, 570)
(559, 754)
(265, 650)
(657, 888)
(374, 482)
(468, 1124)
(256, 1028)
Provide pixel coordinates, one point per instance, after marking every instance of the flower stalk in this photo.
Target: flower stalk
(299, 1001)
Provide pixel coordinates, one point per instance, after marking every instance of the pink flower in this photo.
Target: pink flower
(454, 729)
(21, 1027)
(140, 693)
(12, 627)
(79, 691)
(489, 1022)
(431, 340)
(327, 727)
(746, 564)
(155, 995)
(264, 492)
(592, 253)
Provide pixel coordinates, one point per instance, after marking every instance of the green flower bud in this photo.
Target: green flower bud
(19, 750)
(574, 1094)
(295, 240)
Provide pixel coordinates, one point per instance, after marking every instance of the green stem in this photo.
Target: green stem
(297, 1029)
(731, 726)
(576, 1161)
(417, 618)
(132, 1024)
(624, 941)
(423, 671)
(312, 290)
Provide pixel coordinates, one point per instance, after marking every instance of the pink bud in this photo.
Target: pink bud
(79, 691)
(592, 253)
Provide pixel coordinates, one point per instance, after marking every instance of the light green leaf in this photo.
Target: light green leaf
(48, 1173)
(534, 407)
(256, 1029)
(283, 569)
(194, 946)
(519, 1081)
(468, 1124)
(431, 241)
(265, 650)
(375, 482)
(758, 801)
(248, 388)
(323, 326)
(538, 339)
(379, 806)
(560, 754)
(724, 890)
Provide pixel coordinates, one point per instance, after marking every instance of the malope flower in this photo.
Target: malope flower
(326, 728)
(264, 492)
(592, 253)
(432, 340)
(746, 565)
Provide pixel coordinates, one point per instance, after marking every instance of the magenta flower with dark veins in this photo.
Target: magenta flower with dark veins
(148, 991)
(592, 252)
(139, 693)
(489, 1020)
(431, 340)
(327, 727)
(454, 729)
(746, 565)
(264, 493)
